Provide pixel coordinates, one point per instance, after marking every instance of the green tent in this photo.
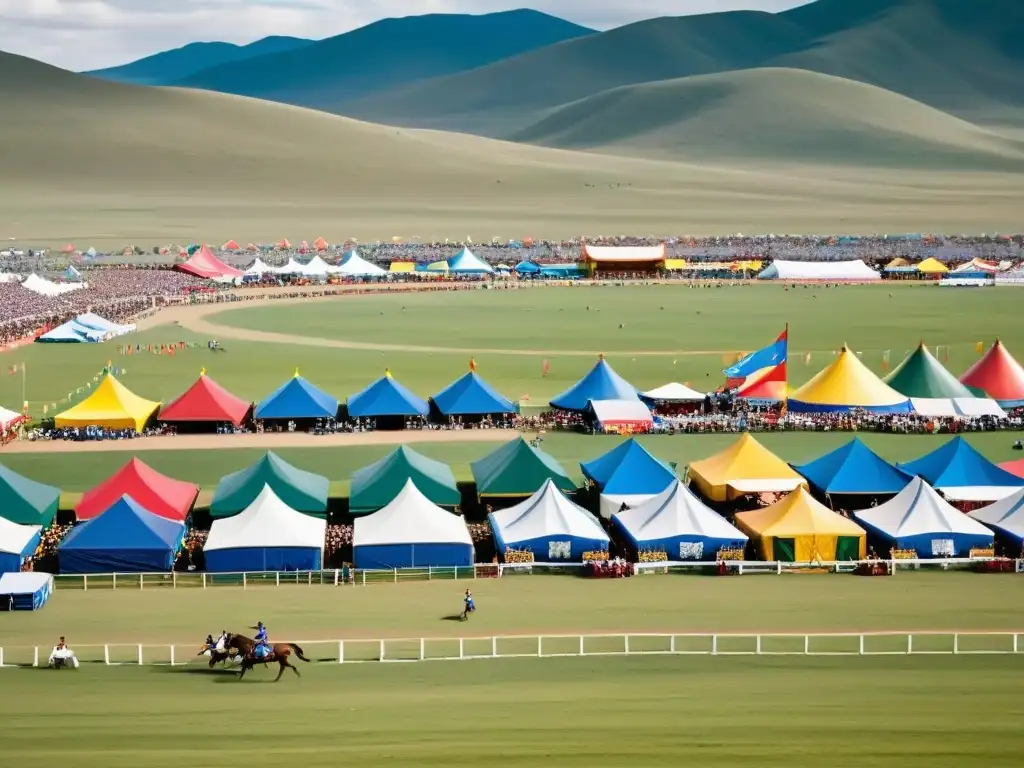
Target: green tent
(302, 491)
(25, 501)
(374, 487)
(518, 469)
(921, 375)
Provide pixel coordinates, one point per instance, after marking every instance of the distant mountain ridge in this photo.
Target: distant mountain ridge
(169, 66)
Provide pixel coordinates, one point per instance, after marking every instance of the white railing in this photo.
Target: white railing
(355, 651)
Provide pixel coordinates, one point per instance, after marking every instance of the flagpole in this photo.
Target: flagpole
(23, 388)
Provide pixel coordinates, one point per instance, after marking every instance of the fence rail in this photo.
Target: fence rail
(357, 651)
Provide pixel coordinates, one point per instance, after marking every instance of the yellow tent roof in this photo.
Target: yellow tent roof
(744, 467)
(674, 265)
(402, 266)
(847, 382)
(899, 261)
(438, 266)
(798, 514)
(932, 266)
(110, 405)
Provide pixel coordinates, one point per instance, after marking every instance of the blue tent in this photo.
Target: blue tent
(469, 395)
(297, 399)
(16, 543)
(526, 268)
(854, 468)
(961, 473)
(72, 275)
(124, 539)
(25, 591)
(628, 469)
(466, 262)
(601, 383)
(386, 397)
(72, 332)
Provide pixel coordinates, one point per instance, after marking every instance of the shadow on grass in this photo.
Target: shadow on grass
(453, 617)
(197, 670)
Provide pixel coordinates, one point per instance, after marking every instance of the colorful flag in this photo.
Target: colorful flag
(767, 357)
(979, 347)
(472, 364)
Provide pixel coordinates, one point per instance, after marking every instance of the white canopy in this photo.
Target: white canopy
(1006, 514)
(410, 518)
(819, 270)
(611, 503)
(355, 265)
(618, 412)
(676, 512)
(953, 407)
(916, 510)
(45, 287)
(547, 513)
(674, 393)
(14, 538)
(8, 417)
(260, 268)
(291, 268)
(267, 522)
(94, 321)
(317, 267)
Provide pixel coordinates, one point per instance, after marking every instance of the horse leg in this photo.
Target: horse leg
(280, 671)
(241, 673)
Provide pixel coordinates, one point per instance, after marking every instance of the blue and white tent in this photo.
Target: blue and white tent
(466, 262)
(601, 383)
(628, 474)
(854, 468)
(469, 395)
(386, 397)
(72, 332)
(550, 526)
(962, 474)
(1005, 515)
(526, 268)
(124, 539)
(16, 543)
(25, 591)
(411, 532)
(297, 399)
(266, 536)
(94, 321)
(918, 518)
(678, 523)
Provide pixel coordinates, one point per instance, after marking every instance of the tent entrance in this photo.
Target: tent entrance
(847, 548)
(784, 550)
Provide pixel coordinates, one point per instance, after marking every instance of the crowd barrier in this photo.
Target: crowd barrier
(356, 651)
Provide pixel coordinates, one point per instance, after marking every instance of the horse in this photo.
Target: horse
(280, 652)
(220, 654)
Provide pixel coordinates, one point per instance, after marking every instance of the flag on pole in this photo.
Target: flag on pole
(472, 364)
(979, 347)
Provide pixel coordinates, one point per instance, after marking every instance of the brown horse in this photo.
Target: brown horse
(280, 653)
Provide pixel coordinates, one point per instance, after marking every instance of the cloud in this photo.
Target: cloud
(88, 34)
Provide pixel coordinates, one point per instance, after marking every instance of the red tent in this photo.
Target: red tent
(997, 374)
(205, 264)
(1014, 467)
(157, 493)
(206, 401)
(320, 244)
(284, 245)
(231, 245)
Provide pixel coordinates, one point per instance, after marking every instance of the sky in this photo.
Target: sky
(91, 34)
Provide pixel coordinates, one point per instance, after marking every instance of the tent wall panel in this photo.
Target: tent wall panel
(116, 561)
(389, 556)
(264, 559)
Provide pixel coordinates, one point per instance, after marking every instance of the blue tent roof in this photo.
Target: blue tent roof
(125, 526)
(958, 464)
(602, 383)
(629, 469)
(471, 395)
(854, 468)
(386, 397)
(72, 331)
(527, 268)
(466, 261)
(297, 399)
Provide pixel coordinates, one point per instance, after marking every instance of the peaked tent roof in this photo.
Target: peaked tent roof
(999, 375)
(15, 538)
(204, 263)
(744, 467)
(1014, 467)
(9, 417)
(800, 516)
(25, 501)
(297, 399)
(111, 404)
(674, 393)
(769, 384)
(92, 320)
(932, 266)
(847, 383)
(356, 266)
(1007, 515)
(126, 524)
(267, 522)
(302, 491)
(546, 513)
(259, 267)
(163, 496)
(628, 469)
(918, 510)
(675, 512)
(317, 267)
(854, 468)
(921, 375)
(517, 469)
(470, 395)
(374, 486)
(960, 472)
(410, 518)
(71, 332)
(467, 261)
(205, 401)
(601, 383)
(386, 397)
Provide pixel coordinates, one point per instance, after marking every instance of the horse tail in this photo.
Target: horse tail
(298, 651)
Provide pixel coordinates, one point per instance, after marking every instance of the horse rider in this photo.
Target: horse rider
(61, 653)
(470, 607)
(262, 648)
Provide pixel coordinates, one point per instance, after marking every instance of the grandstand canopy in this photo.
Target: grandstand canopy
(918, 518)
(163, 496)
(374, 486)
(801, 529)
(548, 525)
(854, 468)
(204, 263)
(921, 375)
(998, 375)
(855, 270)
(517, 469)
(601, 383)
(628, 469)
(110, 405)
(470, 395)
(959, 472)
(297, 399)
(1005, 515)
(302, 491)
(744, 467)
(844, 385)
(25, 501)
(601, 258)
(206, 401)
(386, 397)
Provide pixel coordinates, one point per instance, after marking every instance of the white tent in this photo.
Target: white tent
(317, 267)
(9, 277)
(953, 407)
(258, 268)
(819, 270)
(107, 327)
(411, 532)
(674, 393)
(680, 523)
(46, 287)
(354, 265)
(1006, 515)
(291, 268)
(8, 417)
(610, 503)
(622, 413)
(16, 543)
(918, 518)
(467, 261)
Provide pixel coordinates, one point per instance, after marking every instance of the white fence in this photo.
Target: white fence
(551, 646)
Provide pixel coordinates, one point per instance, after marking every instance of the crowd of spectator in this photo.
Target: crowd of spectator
(44, 558)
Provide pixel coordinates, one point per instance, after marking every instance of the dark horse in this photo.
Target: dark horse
(280, 652)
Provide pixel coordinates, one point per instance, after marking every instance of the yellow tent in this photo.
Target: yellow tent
(899, 261)
(110, 405)
(402, 266)
(801, 529)
(847, 383)
(438, 266)
(932, 266)
(744, 467)
(675, 265)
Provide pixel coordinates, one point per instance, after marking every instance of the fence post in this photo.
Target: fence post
(757, 646)
(106, 654)
(142, 582)
(382, 650)
(277, 578)
(582, 652)
(1014, 642)
(956, 644)
(396, 575)
(627, 644)
(341, 651)
(1, 656)
(85, 583)
(113, 581)
(494, 646)
(430, 572)
(310, 577)
(174, 579)
(861, 649)
(910, 644)
(672, 644)
(204, 579)
(714, 645)
(140, 654)
(245, 581)
(778, 567)
(462, 649)
(172, 655)
(35, 656)
(540, 645)
(807, 645)
(423, 655)
(364, 578)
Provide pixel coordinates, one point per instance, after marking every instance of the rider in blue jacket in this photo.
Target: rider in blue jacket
(262, 642)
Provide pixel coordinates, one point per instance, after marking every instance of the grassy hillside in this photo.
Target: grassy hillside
(386, 54)
(168, 66)
(84, 160)
(778, 113)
